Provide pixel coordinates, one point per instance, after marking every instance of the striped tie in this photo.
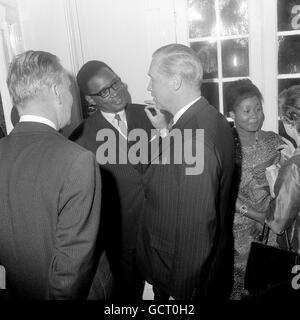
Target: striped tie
(122, 125)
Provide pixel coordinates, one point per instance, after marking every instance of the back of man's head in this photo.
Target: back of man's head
(30, 73)
(178, 59)
(87, 72)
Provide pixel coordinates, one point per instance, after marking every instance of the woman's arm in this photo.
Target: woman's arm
(249, 212)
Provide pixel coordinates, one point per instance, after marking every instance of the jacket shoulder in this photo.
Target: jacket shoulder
(67, 147)
(136, 108)
(85, 127)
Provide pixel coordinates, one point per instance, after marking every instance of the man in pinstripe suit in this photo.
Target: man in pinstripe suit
(50, 190)
(185, 241)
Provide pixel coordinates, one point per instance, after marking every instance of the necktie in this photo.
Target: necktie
(122, 125)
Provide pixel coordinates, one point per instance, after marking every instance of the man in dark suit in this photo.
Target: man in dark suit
(123, 192)
(50, 189)
(185, 241)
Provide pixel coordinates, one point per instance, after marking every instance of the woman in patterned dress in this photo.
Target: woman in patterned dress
(255, 150)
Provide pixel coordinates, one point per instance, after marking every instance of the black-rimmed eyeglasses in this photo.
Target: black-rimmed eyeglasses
(105, 92)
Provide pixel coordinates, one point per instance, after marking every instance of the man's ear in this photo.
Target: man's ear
(57, 93)
(232, 115)
(177, 82)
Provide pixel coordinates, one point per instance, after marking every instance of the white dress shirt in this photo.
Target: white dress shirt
(110, 117)
(33, 118)
(179, 113)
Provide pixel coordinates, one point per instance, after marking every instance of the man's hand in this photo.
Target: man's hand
(156, 117)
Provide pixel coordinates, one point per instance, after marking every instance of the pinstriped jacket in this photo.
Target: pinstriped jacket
(185, 241)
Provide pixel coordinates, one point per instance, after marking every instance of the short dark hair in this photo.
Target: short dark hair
(87, 72)
(239, 90)
(289, 106)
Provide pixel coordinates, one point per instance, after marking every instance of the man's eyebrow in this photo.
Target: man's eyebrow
(110, 83)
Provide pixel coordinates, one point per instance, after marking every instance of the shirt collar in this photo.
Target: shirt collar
(179, 113)
(33, 118)
(111, 116)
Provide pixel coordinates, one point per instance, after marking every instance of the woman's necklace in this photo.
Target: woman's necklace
(240, 144)
(256, 138)
(249, 142)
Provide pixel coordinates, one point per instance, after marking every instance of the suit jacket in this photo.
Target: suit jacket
(50, 192)
(123, 191)
(185, 241)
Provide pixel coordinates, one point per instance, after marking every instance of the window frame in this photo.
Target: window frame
(220, 80)
(263, 52)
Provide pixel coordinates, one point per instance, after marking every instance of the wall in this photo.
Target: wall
(124, 34)
(44, 28)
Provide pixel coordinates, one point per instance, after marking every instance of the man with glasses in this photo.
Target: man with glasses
(123, 192)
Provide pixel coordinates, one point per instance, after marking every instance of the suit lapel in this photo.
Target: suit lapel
(102, 123)
(131, 125)
(123, 145)
(130, 119)
(181, 124)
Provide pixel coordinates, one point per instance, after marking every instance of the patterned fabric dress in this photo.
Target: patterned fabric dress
(254, 191)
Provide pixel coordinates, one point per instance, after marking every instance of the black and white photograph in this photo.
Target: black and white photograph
(150, 154)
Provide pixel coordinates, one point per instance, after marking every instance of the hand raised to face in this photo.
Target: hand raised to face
(156, 117)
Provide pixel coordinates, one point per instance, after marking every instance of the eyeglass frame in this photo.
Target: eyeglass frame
(117, 82)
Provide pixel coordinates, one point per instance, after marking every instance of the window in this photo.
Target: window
(288, 12)
(288, 37)
(218, 30)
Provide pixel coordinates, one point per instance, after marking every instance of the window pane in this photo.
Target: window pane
(207, 53)
(288, 55)
(235, 58)
(202, 18)
(286, 83)
(234, 17)
(210, 91)
(226, 106)
(288, 15)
